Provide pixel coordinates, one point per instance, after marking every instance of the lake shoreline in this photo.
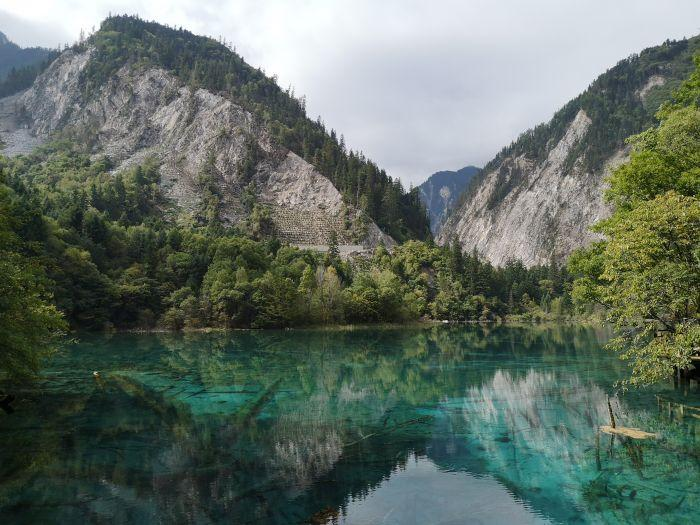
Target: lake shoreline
(343, 327)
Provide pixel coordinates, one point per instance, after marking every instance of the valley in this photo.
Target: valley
(214, 308)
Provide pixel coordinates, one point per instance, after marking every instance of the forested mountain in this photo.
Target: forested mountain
(442, 190)
(537, 198)
(104, 250)
(142, 78)
(169, 174)
(14, 57)
(202, 63)
(19, 66)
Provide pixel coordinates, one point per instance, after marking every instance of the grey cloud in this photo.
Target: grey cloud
(28, 33)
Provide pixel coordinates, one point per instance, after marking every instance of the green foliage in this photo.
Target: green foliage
(21, 78)
(376, 296)
(201, 62)
(647, 272)
(29, 324)
(333, 254)
(120, 255)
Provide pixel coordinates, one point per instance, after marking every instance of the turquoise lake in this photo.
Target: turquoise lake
(419, 425)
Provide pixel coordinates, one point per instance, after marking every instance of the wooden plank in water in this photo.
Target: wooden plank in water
(633, 433)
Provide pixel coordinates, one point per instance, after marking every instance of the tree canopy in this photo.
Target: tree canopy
(30, 325)
(118, 254)
(647, 271)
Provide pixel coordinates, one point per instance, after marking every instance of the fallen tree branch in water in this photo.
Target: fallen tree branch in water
(633, 433)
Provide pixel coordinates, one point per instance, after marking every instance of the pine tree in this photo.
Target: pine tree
(333, 253)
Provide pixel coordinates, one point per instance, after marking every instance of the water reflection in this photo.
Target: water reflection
(348, 426)
(420, 492)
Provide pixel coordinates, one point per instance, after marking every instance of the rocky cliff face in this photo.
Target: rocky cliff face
(441, 191)
(198, 138)
(537, 200)
(533, 211)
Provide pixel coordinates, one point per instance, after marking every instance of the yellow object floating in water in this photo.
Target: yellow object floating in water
(633, 433)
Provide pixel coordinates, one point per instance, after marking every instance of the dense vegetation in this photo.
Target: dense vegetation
(21, 78)
(647, 272)
(117, 254)
(29, 323)
(203, 62)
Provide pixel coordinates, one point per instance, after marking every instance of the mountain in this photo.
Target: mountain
(440, 193)
(226, 137)
(536, 200)
(14, 57)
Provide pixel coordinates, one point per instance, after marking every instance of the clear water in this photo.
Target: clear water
(396, 426)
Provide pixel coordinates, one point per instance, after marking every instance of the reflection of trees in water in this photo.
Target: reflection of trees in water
(340, 409)
(539, 432)
(306, 445)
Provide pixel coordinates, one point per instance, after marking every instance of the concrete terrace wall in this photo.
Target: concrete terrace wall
(309, 227)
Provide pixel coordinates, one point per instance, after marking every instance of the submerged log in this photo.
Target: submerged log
(612, 417)
(633, 433)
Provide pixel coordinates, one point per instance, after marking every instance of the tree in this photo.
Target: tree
(647, 271)
(307, 285)
(29, 324)
(274, 300)
(328, 295)
(456, 257)
(333, 253)
(651, 285)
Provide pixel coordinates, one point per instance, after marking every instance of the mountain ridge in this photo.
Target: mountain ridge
(221, 130)
(15, 57)
(203, 62)
(536, 199)
(211, 152)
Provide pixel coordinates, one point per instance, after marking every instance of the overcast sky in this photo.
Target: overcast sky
(419, 86)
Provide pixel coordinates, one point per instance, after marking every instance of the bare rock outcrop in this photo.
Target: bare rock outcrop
(531, 211)
(147, 113)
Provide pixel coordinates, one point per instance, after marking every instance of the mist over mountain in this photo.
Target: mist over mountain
(13, 56)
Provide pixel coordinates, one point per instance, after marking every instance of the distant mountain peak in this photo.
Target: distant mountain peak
(441, 192)
(13, 56)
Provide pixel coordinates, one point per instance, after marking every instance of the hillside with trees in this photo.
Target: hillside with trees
(202, 62)
(519, 205)
(112, 258)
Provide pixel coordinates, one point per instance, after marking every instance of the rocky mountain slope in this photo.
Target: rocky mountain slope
(536, 200)
(212, 151)
(441, 191)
